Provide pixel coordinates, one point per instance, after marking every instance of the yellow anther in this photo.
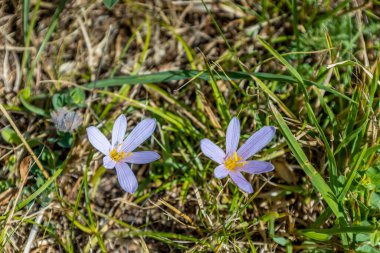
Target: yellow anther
(117, 156)
(234, 162)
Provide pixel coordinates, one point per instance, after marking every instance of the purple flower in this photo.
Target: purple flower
(120, 152)
(234, 162)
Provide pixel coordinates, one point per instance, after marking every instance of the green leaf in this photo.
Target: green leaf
(77, 96)
(285, 243)
(59, 100)
(281, 240)
(341, 230)
(375, 201)
(23, 98)
(66, 140)
(110, 3)
(317, 236)
(374, 174)
(366, 249)
(270, 216)
(10, 136)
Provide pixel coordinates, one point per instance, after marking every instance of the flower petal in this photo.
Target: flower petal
(142, 157)
(212, 151)
(126, 177)
(232, 136)
(256, 142)
(220, 171)
(108, 163)
(257, 167)
(241, 182)
(118, 130)
(139, 134)
(98, 140)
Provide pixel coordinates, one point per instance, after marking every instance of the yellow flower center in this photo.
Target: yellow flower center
(117, 156)
(234, 162)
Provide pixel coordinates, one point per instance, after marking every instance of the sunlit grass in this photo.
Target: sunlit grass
(266, 63)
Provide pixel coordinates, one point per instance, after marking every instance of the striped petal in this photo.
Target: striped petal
(98, 140)
(126, 177)
(139, 134)
(108, 163)
(118, 130)
(232, 136)
(142, 157)
(256, 142)
(241, 182)
(220, 171)
(212, 151)
(257, 167)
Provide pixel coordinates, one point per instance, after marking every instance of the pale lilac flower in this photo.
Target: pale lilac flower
(234, 162)
(119, 153)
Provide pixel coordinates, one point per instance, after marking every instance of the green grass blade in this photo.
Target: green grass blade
(25, 18)
(221, 104)
(125, 89)
(145, 48)
(30, 107)
(176, 75)
(342, 230)
(291, 69)
(28, 28)
(333, 171)
(53, 25)
(352, 175)
(316, 179)
(125, 50)
(273, 96)
(40, 190)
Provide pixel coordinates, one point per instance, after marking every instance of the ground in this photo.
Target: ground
(308, 68)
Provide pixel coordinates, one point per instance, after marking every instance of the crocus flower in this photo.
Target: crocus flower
(234, 162)
(120, 152)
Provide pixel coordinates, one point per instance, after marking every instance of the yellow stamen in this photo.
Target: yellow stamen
(236, 157)
(234, 162)
(117, 156)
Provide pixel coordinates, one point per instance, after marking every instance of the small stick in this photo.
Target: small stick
(33, 232)
(39, 164)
